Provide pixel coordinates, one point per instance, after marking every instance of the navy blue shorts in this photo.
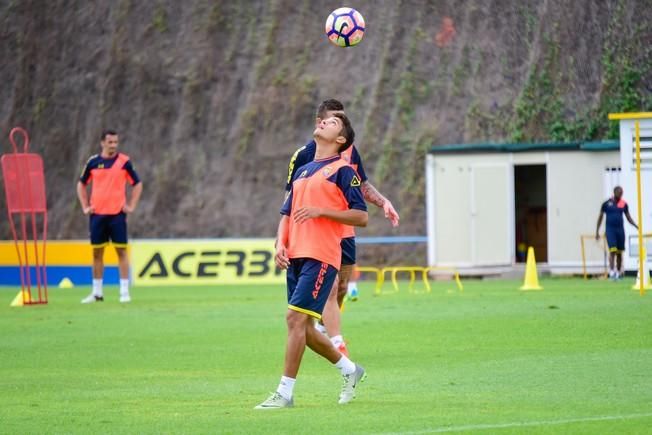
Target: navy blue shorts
(309, 283)
(105, 227)
(348, 250)
(615, 239)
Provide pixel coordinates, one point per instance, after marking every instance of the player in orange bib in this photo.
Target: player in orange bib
(108, 172)
(324, 197)
(331, 317)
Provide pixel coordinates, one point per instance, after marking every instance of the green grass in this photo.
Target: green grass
(574, 358)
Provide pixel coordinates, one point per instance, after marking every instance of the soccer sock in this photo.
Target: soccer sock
(337, 340)
(286, 387)
(97, 287)
(124, 286)
(319, 327)
(345, 365)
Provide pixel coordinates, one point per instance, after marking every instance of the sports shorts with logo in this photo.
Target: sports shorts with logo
(309, 282)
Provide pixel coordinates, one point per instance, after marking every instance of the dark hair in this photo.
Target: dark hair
(326, 105)
(108, 132)
(347, 131)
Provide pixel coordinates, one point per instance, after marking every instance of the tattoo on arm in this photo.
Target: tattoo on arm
(372, 195)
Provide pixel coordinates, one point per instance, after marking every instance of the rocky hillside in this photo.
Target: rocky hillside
(212, 97)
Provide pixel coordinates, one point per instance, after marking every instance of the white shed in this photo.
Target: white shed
(485, 202)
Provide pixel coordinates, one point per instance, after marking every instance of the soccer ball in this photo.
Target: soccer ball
(345, 27)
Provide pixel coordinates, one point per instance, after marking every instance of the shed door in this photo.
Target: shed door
(490, 210)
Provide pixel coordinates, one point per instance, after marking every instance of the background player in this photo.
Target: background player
(325, 195)
(108, 172)
(306, 154)
(614, 208)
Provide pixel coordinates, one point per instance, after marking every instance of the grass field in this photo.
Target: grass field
(574, 358)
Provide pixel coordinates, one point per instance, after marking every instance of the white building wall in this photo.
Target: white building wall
(628, 181)
(575, 193)
(471, 193)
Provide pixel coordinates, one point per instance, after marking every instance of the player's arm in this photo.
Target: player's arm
(135, 197)
(372, 195)
(629, 218)
(82, 192)
(282, 233)
(137, 190)
(597, 229)
(357, 218)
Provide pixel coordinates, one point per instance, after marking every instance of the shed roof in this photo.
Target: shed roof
(607, 145)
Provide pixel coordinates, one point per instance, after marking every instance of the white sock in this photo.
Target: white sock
(97, 287)
(337, 340)
(124, 286)
(286, 387)
(319, 327)
(345, 365)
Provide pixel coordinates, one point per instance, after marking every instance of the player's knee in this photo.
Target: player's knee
(295, 319)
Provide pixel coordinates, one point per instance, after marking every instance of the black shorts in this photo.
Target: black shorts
(615, 239)
(105, 227)
(348, 251)
(309, 282)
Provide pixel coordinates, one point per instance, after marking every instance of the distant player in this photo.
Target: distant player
(324, 196)
(615, 207)
(306, 154)
(108, 172)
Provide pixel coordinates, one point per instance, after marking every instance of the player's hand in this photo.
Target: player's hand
(127, 208)
(89, 210)
(281, 258)
(597, 236)
(390, 213)
(305, 213)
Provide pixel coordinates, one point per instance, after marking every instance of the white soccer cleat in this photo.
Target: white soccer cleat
(349, 383)
(276, 401)
(92, 299)
(125, 298)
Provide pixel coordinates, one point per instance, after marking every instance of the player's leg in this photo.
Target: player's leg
(352, 373)
(352, 287)
(295, 345)
(620, 245)
(99, 239)
(334, 322)
(331, 314)
(98, 263)
(346, 271)
(297, 323)
(118, 235)
(611, 243)
(123, 266)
